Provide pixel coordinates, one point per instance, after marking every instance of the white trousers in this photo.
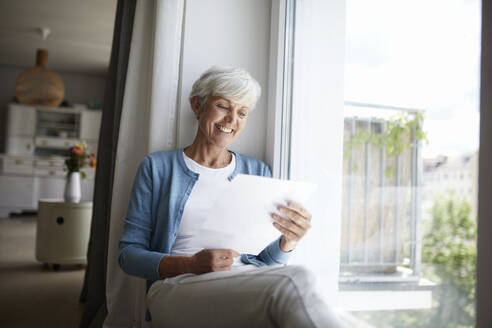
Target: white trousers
(281, 296)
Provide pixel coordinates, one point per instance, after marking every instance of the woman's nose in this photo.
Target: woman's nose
(231, 116)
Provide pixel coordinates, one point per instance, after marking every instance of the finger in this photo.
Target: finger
(289, 225)
(299, 209)
(221, 263)
(225, 263)
(287, 233)
(221, 268)
(295, 216)
(226, 253)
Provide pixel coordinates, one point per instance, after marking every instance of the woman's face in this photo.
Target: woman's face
(220, 120)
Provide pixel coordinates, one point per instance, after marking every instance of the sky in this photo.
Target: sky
(422, 54)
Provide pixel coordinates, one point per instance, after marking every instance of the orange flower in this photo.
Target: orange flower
(77, 150)
(78, 158)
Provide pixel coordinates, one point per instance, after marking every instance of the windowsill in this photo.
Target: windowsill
(385, 292)
(400, 275)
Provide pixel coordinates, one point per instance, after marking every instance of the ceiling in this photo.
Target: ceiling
(80, 38)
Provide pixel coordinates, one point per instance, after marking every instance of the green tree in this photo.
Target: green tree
(449, 246)
(449, 260)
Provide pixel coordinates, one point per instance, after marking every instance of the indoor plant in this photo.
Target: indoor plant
(78, 158)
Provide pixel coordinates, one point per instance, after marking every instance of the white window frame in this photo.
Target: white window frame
(280, 100)
(278, 110)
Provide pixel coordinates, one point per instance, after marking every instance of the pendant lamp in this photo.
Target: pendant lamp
(39, 85)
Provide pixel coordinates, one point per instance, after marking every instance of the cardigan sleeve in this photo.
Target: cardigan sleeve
(135, 257)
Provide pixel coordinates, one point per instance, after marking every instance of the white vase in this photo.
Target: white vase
(72, 192)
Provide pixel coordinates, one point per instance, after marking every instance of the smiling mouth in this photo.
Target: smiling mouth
(224, 129)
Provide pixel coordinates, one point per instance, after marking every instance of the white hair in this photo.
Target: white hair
(231, 83)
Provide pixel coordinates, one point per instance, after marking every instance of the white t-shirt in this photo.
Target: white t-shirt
(210, 184)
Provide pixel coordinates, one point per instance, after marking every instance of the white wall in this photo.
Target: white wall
(231, 33)
(79, 88)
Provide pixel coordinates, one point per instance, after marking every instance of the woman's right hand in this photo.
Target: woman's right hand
(207, 260)
(211, 260)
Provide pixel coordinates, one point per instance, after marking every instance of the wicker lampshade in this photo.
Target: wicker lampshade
(39, 85)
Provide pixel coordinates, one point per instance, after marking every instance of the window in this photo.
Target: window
(405, 123)
(394, 239)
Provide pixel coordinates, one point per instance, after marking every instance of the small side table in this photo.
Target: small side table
(63, 231)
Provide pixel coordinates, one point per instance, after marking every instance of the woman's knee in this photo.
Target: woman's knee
(300, 275)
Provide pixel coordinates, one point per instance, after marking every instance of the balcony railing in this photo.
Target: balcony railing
(381, 215)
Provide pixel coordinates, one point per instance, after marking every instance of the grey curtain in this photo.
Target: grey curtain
(484, 244)
(94, 289)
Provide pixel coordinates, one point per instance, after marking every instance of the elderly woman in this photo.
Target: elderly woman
(188, 285)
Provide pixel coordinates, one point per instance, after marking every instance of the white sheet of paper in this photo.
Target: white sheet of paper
(240, 218)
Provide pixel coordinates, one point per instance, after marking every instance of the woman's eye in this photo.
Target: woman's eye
(222, 106)
(242, 114)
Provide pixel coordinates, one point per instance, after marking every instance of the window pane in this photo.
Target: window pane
(410, 163)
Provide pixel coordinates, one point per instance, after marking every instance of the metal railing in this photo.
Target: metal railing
(381, 203)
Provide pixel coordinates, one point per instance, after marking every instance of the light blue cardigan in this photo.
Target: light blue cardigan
(160, 190)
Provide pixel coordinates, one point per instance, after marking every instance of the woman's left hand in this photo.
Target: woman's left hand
(293, 226)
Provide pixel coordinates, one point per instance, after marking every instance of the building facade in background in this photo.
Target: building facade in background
(444, 176)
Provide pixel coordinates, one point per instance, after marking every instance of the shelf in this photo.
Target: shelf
(51, 125)
(44, 131)
(62, 110)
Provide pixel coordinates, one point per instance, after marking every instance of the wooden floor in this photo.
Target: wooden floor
(31, 294)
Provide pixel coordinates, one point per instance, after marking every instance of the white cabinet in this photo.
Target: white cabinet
(54, 143)
(92, 146)
(90, 122)
(21, 120)
(34, 130)
(48, 187)
(20, 145)
(37, 141)
(17, 193)
(18, 165)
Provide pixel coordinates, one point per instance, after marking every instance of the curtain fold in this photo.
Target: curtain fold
(93, 290)
(148, 123)
(484, 242)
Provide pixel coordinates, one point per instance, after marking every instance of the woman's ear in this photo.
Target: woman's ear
(196, 106)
